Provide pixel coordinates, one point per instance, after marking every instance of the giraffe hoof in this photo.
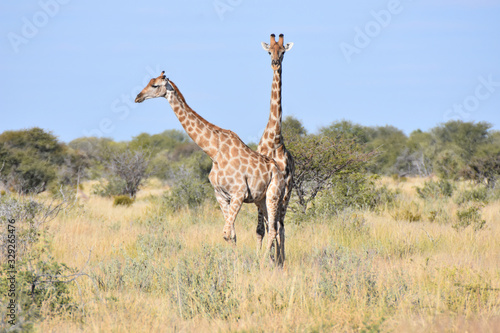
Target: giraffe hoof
(229, 234)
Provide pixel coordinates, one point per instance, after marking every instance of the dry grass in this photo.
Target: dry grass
(156, 272)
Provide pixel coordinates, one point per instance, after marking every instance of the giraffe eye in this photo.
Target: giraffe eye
(154, 85)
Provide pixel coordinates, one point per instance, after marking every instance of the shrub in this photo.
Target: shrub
(438, 215)
(406, 211)
(205, 287)
(477, 194)
(108, 187)
(188, 190)
(123, 200)
(41, 282)
(469, 217)
(30, 159)
(433, 190)
(353, 191)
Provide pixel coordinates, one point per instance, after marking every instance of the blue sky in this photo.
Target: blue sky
(74, 67)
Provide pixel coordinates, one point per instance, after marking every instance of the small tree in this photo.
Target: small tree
(483, 170)
(131, 168)
(30, 159)
(318, 158)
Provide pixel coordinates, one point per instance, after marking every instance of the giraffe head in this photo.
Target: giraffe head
(157, 87)
(276, 50)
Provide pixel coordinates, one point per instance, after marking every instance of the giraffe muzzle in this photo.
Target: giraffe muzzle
(139, 99)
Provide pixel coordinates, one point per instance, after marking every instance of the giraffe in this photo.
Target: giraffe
(271, 144)
(239, 174)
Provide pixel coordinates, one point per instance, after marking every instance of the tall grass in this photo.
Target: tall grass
(359, 270)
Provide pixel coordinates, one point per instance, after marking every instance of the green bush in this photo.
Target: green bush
(470, 216)
(356, 191)
(123, 200)
(479, 193)
(30, 159)
(108, 187)
(189, 191)
(433, 190)
(41, 282)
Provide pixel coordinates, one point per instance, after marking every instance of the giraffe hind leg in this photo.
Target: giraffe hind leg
(261, 225)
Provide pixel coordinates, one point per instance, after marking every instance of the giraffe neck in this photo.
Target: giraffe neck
(203, 133)
(272, 138)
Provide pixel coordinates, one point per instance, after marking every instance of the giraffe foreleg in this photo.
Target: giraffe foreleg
(228, 232)
(273, 203)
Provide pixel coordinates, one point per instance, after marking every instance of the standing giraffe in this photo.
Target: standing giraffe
(238, 173)
(271, 144)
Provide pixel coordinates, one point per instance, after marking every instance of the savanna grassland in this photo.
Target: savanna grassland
(428, 260)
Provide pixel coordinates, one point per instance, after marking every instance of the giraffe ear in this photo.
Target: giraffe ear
(265, 46)
(288, 46)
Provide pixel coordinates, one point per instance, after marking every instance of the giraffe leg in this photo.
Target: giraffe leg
(280, 250)
(223, 203)
(229, 232)
(261, 225)
(273, 198)
(280, 239)
(283, 207)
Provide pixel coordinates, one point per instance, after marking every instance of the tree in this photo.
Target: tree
(30, 159)
(131, 169)
(347, 130)
(464, 138)
(389, 142)
(483, 170)
(167, 140)
(318, 158)
(292, 127)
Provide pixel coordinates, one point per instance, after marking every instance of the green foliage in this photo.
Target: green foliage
(41, 281)
(112, 186)
(434, 190)
(165, 141)
(346, 129)
(292, 127)
(318, 159)
(463, 138)
(470, 216)
(353, 191)
(123, 200)
(188, 190)
(389, 142)
(29, 159)
(483, 169)
(479, 194)
(447, 164)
